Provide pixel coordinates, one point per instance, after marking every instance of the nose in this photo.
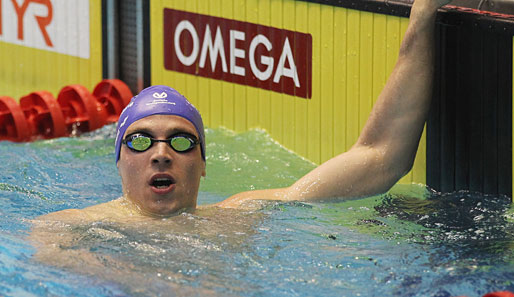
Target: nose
(162, 154)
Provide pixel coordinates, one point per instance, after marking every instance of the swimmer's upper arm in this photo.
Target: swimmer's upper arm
(52, 236)
(49, 233)
(352, 174)
(44, 227)
(241, 200)
(362, 171)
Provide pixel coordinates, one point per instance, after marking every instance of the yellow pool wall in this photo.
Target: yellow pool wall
(353, 53)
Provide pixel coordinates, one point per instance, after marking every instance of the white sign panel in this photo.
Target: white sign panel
(55, 25)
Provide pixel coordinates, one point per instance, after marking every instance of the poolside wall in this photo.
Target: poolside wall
(48, 45)
(470, 125)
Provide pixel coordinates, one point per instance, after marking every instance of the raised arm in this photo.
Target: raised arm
(387, 146)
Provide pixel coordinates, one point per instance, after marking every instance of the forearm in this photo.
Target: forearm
(397, 120)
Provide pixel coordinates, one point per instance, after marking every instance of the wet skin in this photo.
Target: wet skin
(138, 170)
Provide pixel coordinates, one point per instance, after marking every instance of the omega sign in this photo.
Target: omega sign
(238, 52)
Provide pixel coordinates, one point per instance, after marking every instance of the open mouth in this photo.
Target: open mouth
(162, 183)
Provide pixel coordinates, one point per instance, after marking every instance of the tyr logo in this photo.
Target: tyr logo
(43, 21)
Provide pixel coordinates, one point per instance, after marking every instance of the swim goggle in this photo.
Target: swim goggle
(180, 142)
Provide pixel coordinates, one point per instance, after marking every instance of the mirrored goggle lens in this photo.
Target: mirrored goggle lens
(181, 143)
(140, 143)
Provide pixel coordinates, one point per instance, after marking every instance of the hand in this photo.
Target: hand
(425, 6)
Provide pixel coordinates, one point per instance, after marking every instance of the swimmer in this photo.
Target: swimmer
(160, 155)
(160, 143)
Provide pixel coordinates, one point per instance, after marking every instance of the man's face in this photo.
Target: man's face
(160, 180)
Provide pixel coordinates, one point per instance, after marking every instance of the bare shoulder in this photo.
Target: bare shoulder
(92, 213)
(67, 215)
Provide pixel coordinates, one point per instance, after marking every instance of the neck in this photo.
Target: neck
(133, 208)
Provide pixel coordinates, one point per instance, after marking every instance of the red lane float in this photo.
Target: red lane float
(500, 294)
(497, 294)
(114, 95)
(76, 110)
(13, 125)
(81, 111)
(43, 114)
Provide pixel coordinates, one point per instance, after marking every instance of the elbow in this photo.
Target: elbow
(395, 172)
(405, 169)
(386, 183)
(389, 182)
(399, 164)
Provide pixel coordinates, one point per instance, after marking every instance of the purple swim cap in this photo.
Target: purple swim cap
(158, 100)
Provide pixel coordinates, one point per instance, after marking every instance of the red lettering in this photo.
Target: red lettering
(43, 21)
(20, 12)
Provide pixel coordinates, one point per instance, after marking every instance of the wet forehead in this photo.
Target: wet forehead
(162, 124)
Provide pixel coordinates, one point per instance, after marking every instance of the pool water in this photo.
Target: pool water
(410, 242)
